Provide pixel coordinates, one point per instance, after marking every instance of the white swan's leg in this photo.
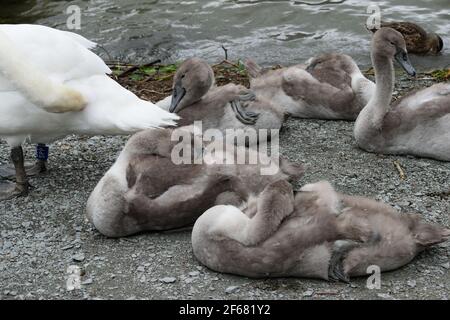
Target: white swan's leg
(9, 190)
(33, 169)
(33, 83)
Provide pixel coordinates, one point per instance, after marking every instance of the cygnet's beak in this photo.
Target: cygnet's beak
(177, 95)
(403, 60)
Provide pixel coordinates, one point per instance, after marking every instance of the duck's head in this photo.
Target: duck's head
(192, 81)
(436, 43)
(389, 43)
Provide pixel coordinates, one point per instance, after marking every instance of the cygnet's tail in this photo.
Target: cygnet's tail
(389, 253)
(426, 234)
(35, 84)
(253, 69)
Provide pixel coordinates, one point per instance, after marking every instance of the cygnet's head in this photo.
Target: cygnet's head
(389, 43)
(192, 81)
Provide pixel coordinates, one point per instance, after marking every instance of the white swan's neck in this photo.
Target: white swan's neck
(380, 102)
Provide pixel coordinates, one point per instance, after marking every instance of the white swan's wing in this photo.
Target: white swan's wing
(112, 109)
(40, 64)
(165, 103)
(88, 44)
(61, 55)
(29, 68)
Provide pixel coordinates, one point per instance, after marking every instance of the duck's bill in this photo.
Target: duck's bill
(177, 95)
(403, 60)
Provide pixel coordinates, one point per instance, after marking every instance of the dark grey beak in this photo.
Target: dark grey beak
(403, 60)
(177, 95)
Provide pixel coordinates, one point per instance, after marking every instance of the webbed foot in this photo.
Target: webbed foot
(10, 190)
(244, 116)
(32, 169)
(335, 269)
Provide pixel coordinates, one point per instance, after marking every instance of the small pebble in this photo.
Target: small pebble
(79, 257)
(308, 293)
(168, 280)
(231, 289)
(141, 269)
(384, 296)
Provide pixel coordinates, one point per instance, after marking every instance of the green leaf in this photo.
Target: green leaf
(136, 77)
(171, 68)
(441, 75)
(148, 70)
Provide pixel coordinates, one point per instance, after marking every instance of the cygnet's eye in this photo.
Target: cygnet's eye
(184, 75)
(393, 43)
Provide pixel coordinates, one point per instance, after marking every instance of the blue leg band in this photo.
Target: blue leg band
(42, 152)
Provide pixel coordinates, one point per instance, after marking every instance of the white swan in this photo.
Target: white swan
(21, 74)
(45, 70)
(418, 124)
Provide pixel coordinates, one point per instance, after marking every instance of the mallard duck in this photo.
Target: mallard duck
(417, 39)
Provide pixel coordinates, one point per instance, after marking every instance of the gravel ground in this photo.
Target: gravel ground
(42, 235)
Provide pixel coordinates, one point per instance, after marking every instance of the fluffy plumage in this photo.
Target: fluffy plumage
(316, 233)
(196, 98)
(330, 86)
(52, 85)
(146, 190)
(59, 59)
(418, 124)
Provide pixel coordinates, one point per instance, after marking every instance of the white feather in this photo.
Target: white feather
(165, 103)
(50, 60)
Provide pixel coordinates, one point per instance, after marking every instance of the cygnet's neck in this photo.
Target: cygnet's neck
(380, 103)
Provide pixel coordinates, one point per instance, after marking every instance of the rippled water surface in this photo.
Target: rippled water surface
(269, 31)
